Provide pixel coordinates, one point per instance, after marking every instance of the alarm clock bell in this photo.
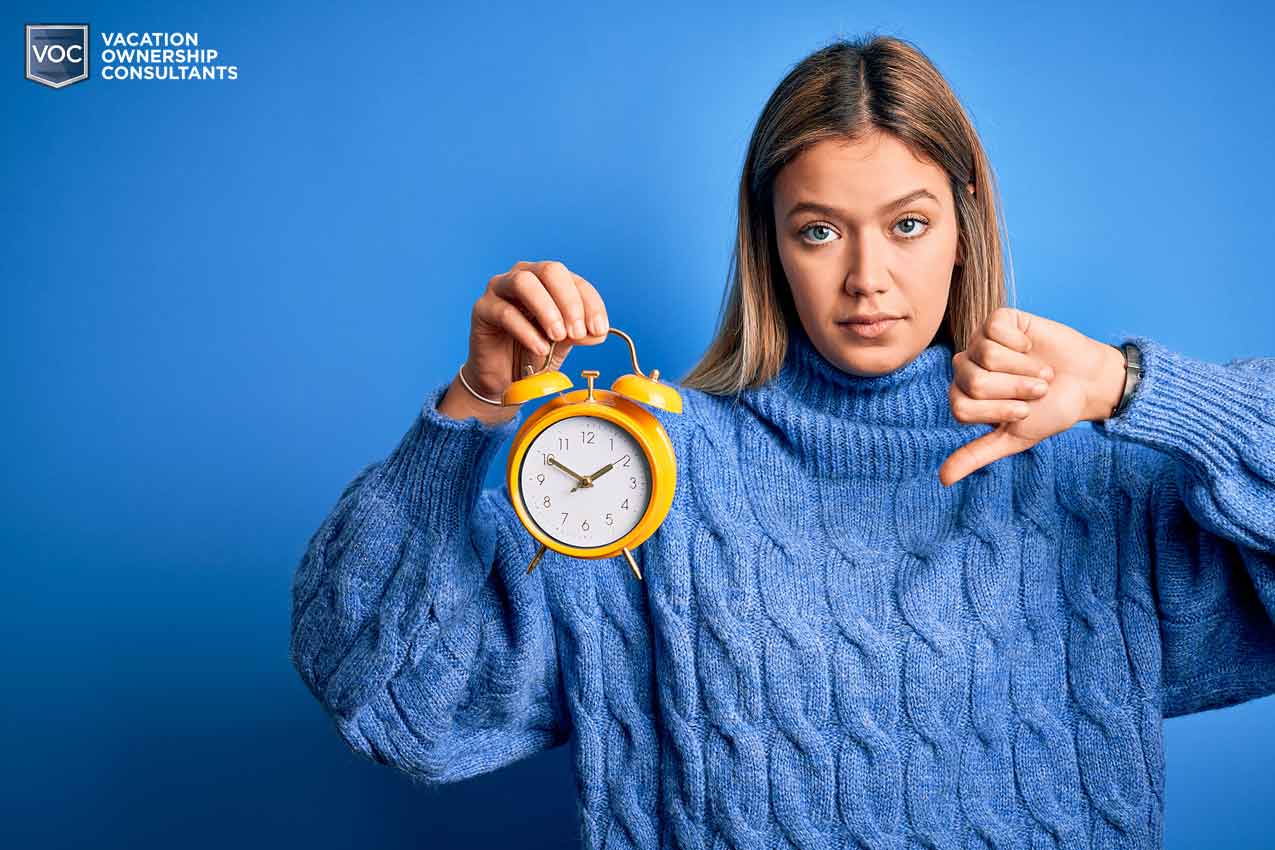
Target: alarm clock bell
(637, 386)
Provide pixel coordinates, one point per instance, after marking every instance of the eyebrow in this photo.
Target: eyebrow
(811, 206)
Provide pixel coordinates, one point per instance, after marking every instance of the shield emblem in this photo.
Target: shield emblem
(57, 54)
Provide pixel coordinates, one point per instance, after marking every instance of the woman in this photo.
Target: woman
(857, 627)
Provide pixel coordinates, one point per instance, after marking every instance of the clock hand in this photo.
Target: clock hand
(594, 477)
(602, 471)
(577, 476)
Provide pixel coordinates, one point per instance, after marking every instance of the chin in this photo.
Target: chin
(868, 361)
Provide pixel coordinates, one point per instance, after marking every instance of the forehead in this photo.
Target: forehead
(860, 173)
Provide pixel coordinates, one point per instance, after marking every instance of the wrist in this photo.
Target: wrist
(1107, 387)
(458, 403)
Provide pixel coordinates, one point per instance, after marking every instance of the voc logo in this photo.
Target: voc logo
(57, 54)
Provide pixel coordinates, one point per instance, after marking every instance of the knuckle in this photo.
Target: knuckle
(1003, 322)
(977, 384)
(524, 280)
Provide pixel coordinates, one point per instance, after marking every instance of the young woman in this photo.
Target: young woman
(898, 598)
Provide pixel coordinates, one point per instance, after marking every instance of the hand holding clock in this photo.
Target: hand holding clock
(511, 325)
(1032, 377)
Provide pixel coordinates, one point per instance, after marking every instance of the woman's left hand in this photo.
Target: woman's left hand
(992, 379)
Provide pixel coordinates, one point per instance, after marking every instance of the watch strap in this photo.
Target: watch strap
(1132, 373)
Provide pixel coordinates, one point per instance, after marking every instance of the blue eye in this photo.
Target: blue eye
(814, 227)
(912, 218)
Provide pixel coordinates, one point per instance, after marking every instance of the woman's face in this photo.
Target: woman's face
(881, 237)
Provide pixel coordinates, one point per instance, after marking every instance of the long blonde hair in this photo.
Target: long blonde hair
(843, 91)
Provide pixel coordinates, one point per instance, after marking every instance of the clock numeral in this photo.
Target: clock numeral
(547, 505)
(613, 444)
(540, 478)
(632, 483)
(586, 437)
(584, 526)
(610, 520)
(625, 504)
(564, 443)
(547, 456)
(626, 460)
(564, 519)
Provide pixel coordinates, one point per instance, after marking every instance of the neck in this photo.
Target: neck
(840, 424)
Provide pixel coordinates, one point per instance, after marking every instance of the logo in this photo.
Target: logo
(57, 54)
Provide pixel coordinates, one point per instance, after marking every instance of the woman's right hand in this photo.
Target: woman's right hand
(512, 324)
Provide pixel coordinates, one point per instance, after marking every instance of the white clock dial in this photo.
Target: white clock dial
(592, 516)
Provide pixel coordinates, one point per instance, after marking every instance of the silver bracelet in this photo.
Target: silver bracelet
(475, 394)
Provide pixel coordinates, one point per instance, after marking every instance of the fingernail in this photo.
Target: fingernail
(557, 331)
(1021, 410)
(1047, 373)
(577, 328)
(1039, 387)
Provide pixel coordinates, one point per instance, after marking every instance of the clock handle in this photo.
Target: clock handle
(632, 355)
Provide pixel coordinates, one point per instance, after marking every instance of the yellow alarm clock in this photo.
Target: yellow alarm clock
(591, 474)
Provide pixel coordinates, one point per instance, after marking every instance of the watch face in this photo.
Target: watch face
(592, 513)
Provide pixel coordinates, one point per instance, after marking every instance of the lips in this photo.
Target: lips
(869, 330)
(869, 318)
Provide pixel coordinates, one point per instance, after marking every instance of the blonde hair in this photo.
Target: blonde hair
(844, 91)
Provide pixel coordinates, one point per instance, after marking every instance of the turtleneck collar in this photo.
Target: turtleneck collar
(839, 424)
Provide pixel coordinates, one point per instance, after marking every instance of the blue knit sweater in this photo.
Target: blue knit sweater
(830, 649)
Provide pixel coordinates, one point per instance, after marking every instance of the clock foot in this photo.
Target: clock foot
(632, 563)
(536, 559)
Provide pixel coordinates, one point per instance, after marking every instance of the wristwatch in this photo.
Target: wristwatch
(1132, 373)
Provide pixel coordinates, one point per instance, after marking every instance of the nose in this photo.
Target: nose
(867, 273)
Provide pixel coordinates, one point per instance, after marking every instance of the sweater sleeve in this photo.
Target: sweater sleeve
(1195, 453)
(414, 622)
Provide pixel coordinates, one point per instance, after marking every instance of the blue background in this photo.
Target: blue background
(221, 299)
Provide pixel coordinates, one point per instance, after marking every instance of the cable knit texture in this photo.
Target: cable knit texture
(830, 649)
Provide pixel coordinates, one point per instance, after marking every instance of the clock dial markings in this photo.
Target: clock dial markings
(585, 481)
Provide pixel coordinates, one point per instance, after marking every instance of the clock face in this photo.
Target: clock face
(574, 514)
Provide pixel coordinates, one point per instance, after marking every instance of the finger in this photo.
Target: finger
(966, 409)
(594, 309)
(995, 356)
(562, 286)
(976, 454)
(1010, 327)
(524, 287)
(498, 312)
(979, 383)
